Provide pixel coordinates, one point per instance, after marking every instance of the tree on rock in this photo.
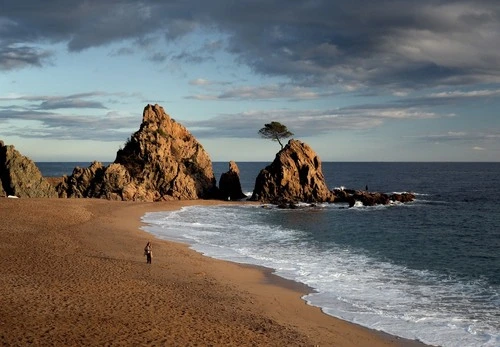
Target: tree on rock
(275, 131)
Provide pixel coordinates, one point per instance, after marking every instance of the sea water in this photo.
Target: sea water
(426, 270)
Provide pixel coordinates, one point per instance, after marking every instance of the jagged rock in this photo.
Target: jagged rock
(342, 195)
(161, 161)
(230, 185)
(294, 176)
(96, 181)
(370, 198)
(403, 197)
(19, 176)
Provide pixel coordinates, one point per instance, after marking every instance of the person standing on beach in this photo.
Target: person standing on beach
(148, 252)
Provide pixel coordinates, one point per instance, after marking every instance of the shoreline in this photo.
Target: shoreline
(73, 272)
(269, 277)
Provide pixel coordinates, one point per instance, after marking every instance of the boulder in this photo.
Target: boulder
(19, 176)
(295, 175)
(161, 161)
(230, 185)
(370, 198)
(403, 197)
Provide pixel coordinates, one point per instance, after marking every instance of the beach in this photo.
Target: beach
(73, 272)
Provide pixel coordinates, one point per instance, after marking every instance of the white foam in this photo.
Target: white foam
(349, 284)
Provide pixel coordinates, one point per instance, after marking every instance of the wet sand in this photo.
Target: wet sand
(72, 272)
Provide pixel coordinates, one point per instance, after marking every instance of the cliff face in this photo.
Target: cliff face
(294, 176)
(161, 161)
(19, 176)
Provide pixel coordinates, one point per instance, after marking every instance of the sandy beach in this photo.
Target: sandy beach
(73, 273)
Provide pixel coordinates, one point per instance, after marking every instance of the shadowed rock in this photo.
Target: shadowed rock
(19, 176)
(294, 176)
(370, 198)
(230, 185)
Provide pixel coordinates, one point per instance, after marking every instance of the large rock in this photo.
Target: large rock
(294, 176)
(161, 161)
(370, 198)
(230, 185)
(19, 176)
(96, 181)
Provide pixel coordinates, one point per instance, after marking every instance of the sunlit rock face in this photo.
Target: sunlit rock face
(294, 176)
(161, 161)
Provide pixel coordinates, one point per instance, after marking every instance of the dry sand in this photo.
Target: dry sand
(72, 272)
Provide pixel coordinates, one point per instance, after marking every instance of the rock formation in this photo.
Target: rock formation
(19, 176)
(230, 185)
(370, 198)
(161, 161)
(294, 176)
(96, 181)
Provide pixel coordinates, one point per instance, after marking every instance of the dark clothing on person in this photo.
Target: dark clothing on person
(148, 252)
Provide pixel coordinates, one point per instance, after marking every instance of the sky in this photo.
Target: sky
(357, 80)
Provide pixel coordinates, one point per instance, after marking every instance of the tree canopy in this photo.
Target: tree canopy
(275, 131)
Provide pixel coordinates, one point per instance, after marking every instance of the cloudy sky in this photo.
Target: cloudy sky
(358, 80)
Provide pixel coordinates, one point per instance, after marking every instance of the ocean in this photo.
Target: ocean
(427, 270)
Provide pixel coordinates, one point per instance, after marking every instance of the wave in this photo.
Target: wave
(349, 283)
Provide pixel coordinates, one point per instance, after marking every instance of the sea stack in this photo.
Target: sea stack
(161, 161)
(230, 185)
(294, 176)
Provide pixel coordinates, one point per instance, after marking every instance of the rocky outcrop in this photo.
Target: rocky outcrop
(96, 181)
(230, 185)
(370, 198)
(161, 161)
(403, 197)
(19, 176)
(294, 176)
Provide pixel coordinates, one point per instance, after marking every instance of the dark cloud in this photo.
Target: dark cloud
(76, 101)
(70, 103)
(110, 126)
(189, 57)
(355, 43)
(123, 51)
(157, 57)
(485, 138)
(16, 57)
(265, 92)
(44, 116)
(451, 97)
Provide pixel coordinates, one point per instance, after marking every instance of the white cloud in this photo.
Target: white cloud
(468, 94)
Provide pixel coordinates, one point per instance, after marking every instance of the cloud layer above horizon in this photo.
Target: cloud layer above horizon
(357, 69)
